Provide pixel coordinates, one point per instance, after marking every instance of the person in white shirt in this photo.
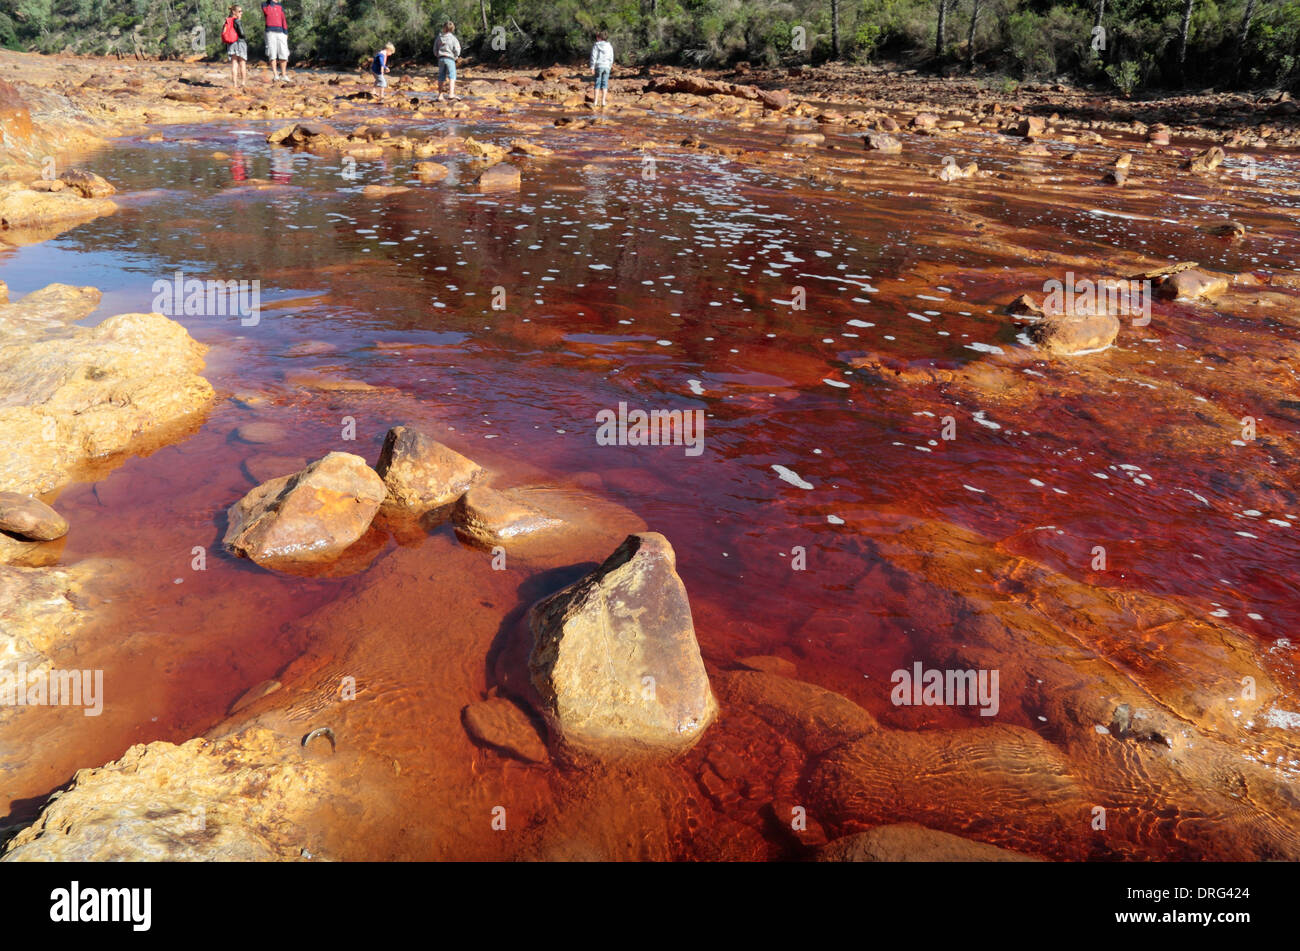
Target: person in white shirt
(448, 51)
(602, 61)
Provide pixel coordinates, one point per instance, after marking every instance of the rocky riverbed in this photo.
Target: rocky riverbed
(360, 583)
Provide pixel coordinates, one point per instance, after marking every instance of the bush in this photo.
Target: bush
(1124, 75)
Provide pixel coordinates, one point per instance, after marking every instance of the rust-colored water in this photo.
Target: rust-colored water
(671, 292)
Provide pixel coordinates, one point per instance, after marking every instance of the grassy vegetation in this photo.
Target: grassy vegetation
(1227, 43)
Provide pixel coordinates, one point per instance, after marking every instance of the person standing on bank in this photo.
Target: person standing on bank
(447, 51)
(232, 34)
(277, 40)
(602, 61)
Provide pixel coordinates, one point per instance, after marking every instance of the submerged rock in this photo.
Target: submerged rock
(615, 662)
(525, 147)
(430, 171)
(261, 432)
(309, 517)
(499, 178)
(30, 518)
(383, 191)
(1070, 334)
(498, 723)
(420, 474)
(805, 140)
(908, 842)
(882, 142)
(490, 516)
(1192, 284)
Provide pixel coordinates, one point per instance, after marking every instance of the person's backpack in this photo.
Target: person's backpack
(229, 34)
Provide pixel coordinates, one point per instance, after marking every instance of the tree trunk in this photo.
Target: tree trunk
(1101, 12)
(835, 29)
(1245, 32)
(482, 9)
(1182, 37)
(970, 37)
(940, 29)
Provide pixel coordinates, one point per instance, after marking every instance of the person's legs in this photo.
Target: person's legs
(243, 72)
(234, 71)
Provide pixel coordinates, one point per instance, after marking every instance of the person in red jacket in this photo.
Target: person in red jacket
(277, 40)
(236, 47)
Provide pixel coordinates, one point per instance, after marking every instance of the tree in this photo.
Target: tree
(1241, 37)
(940, 29)
(835, 29)
(970, 37)
(1182, 36)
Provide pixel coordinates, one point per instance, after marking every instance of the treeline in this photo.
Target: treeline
(1127, 44)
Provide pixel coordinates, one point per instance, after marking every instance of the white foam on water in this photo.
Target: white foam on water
(789, 475)
(1282, 718)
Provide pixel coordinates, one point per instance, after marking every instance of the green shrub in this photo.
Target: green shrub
(1124, 75)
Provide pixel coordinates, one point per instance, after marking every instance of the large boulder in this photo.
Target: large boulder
(1073, 334)
(615, 662)
(70, 394)
(30, 518)
(1065, 325)
(28, 214)
(420, 474)
(309, 517)
(882, 142)
(243, 798)
(87, 184)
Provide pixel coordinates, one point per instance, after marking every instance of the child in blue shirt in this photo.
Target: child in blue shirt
(379, 69)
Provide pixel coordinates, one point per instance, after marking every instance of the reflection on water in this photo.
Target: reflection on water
(675, 290)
